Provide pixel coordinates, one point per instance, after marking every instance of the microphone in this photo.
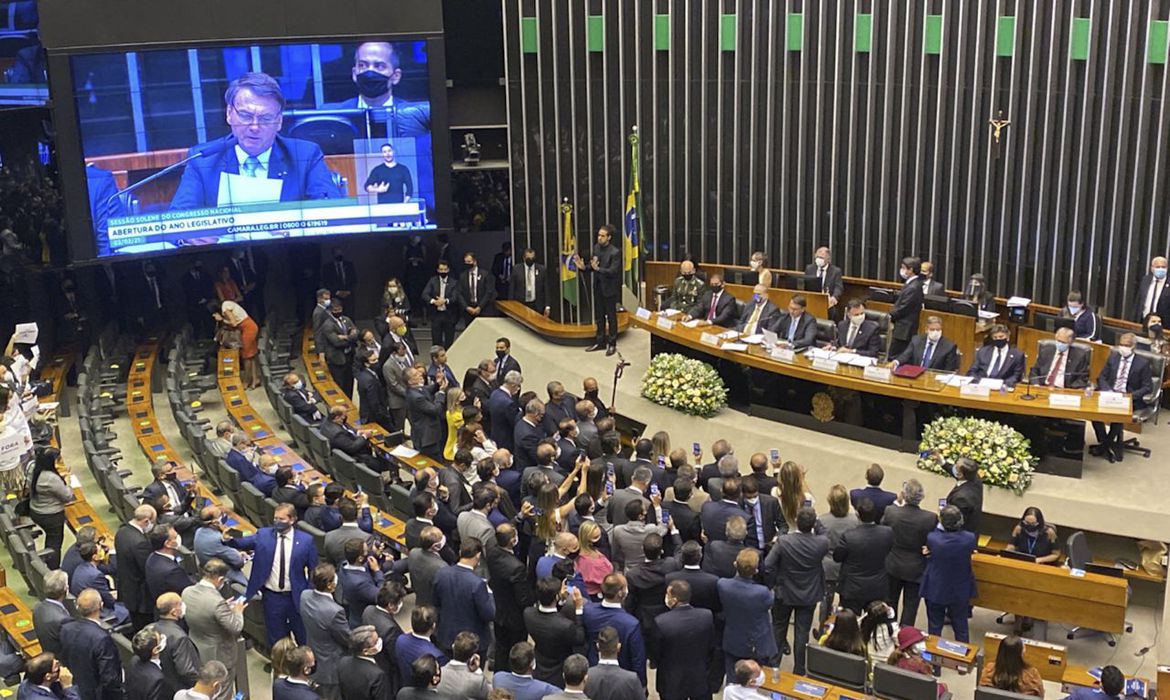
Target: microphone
(212, 148)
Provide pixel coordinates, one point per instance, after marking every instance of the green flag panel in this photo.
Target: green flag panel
(1078, 42)
(863, 33)
(1005, 37)
(528, 35)
(932, 35)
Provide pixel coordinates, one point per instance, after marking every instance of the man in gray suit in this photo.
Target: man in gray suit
(424, 563)
(425, 409)
(795, 567)
(335, 540)
(639, 482)
(50, 613)
(607, 680)
(546, 456)
(473, 524)
(576, 669)
(326, 629)
(214, 624)
(180, 659)
(462, 676)
(627, 538)
(394, 372)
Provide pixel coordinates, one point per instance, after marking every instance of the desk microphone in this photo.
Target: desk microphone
(213, 148)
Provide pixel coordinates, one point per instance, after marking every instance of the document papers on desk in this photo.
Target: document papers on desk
(404, 452)
(693, 323)
(735, 347)
(819, 354)
(752, 339)
(728, 335)
(1016, 302)
(669, 313)
(987, 315)
(956, 380)
(239, 189)
(991, 384)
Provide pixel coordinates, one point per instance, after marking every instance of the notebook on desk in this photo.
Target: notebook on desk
(909, 371)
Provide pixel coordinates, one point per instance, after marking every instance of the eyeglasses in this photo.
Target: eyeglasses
(248, 119)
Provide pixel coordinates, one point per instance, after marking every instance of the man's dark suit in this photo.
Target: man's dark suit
(1161, 305)
(769, 315)
(944, 357)
(555, 636)
(198, 291)
(862, 552)
(771, 520)
(540, 299)
(719, 557)
(180, 660)
(360, 589)
(688, 646)
(443, 320)
(508, 578)
(606, 282)
(867, 341)
(724, 315)
(715, 514)
(250, 472)
(144, 681)
(932, 288)
(1010, 369)
(905, 562)
(465, 604)
(362, 680)
(689, 525)
(301, 403)
(880, 498)
(646, 599)
(281, 610)
(704, 588)
(504, 412)
(300, 165)
(335, 280)
(968, 498)
(609, 682)
(1138, 384)
(1076, 366)
(402, 118)
(48, 617)
(164, 575)
(747, 630)
(632, 655)
(833, 282)
(133, 549)
(374, 402)
(91, 654)
(485, 294)
(796, 567)
(284, 689)
(388, 629)
(805, 334)
(904, 314)
(425, 410)
(524, 440)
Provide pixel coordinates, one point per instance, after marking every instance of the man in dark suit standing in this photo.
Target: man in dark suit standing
(144, 676)
(930, 349)
(297, 685)
(527, 434)
(1062, 363)
(907, 306)
(479, 294)
(163, 572)
(463, 599)
(180, 659)
(282, 562)
(998, 360)
(766, 517)
(513, 593)
(321, 312)
(797, 329)
(445, 298)
(50, 613)
(856, 333)
(688, 646)
(530, 283)
(715, 514)
(425, 409)
(359, 675)
(133, 548)
(967, 495)
(375, 407)
(381, 616)
(554, 634)
(759, 315)
(720, 554)
(504, 411)
(715, 306)
(89, 652)
(199, 290)
(339, 276)
(1152, 297)
(326, 629)
(795, 567)
(830, 276)
(862, 552)
(1124, 371)
(874, 475)
(905, 563)
(604, 271)
(747, 609)
(926, 277)
(502, 264)
(505, 361)
(300, 398)
(610, 613)
(340, 335)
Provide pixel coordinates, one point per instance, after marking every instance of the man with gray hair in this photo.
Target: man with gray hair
(213, 676)
(425, 409)
(222, 444)
(89, 651)
(503, 411)
(50, 614)
(639, 482)
(166, 481)
(255, 149)
(728, 469)
(359, 675)
(72, 559)
(905, 562)
(528, 433)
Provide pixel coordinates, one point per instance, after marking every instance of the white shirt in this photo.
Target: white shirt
(1152, 296)
(1062, 358)
(530, 282)
(741, 692)
(261, 171)
(273, 582)
(998, 358)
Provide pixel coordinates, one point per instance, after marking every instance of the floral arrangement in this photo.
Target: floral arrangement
(684, 384)
(1003, 454)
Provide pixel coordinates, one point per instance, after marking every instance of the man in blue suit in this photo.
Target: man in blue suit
(417, 643)
(610, 613)
(948, 584)
(1128, 372)
(88, 650)
(255, 149)
(998, 360)
(361, 579)
(88, 575)
(257, 476)
(856, 333)
(1112, 687)
(747, 612)
(209, 544)
(527, 434)
(688, 644)
(282, 563)
(376, 71)
(503, 411)
(715, 514)
(464, 600)
(874, 475)
(42, 680)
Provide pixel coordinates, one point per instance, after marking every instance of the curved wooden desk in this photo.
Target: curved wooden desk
(557, 332)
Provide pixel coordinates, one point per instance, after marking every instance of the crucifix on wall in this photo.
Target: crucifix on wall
(998, 125)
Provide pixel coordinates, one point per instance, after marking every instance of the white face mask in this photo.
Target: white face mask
(182, 610)
(1124, 350)
(378, 647)
(442, 543)
(757, 681)
(857, 319)
(934, 336)
(755, 264)
(821, 262)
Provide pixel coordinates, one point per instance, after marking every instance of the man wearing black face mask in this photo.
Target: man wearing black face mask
(715, 307)
(530, 285)
(997, 360)
(166, 481)
(376, 72)
(504, 361)
(604, 273)
(443, 295)
(685, 291)
(339, 276)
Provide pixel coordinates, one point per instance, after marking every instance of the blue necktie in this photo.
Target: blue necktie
(251, 166)
(759, 524)
(927, 355)
(792, 323)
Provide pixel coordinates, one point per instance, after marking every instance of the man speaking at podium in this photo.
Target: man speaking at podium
(255, 163)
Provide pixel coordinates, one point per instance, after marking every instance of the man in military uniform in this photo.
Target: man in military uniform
(687, 288)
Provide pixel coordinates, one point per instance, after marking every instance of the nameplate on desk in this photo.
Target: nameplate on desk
(876, 374)
(664, 323)
(709, 339)
(1112, 401)
(1064, 400)
(952, 647)
(825, 365)
(975, 390)
(784, 354)
(643, 314)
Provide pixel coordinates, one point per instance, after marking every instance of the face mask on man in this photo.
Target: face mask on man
(1074, 309)
(1124, 350)
(300, 385)
(999, 343)
(688, 276)
(372, 84)
(857, 319)
(821, 262)
(281, 526)
(934, 336)
(1160, 273)
(1061, 347)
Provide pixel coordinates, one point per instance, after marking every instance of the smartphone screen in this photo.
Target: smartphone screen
(942, 503)
(697, 449)
(775, 455)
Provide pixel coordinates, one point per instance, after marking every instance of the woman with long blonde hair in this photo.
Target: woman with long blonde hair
(793, 491)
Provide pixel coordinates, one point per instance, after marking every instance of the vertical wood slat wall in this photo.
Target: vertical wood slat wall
(781, 125)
